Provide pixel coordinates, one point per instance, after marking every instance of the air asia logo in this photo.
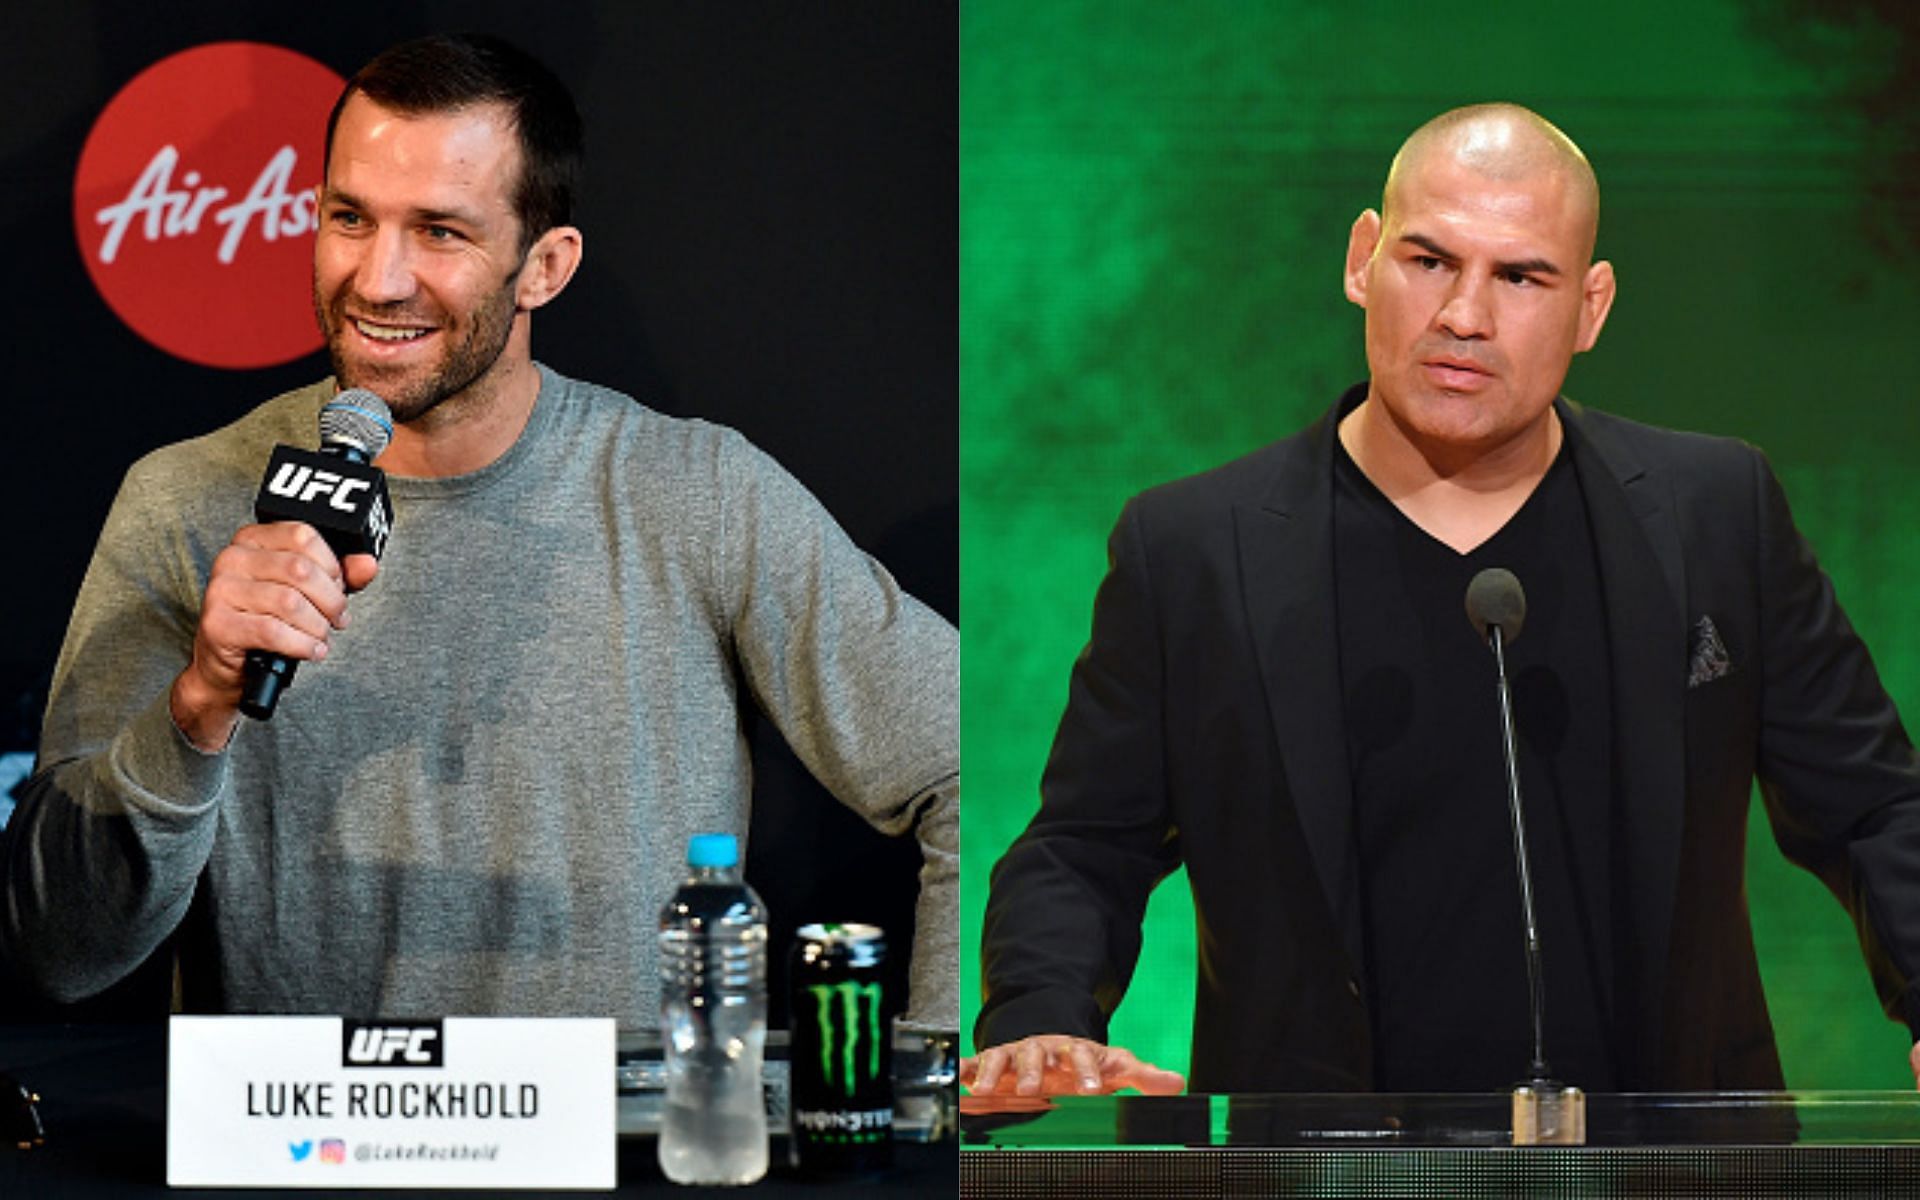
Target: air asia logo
(391, 1044)
(193, 202)
(849, 1033)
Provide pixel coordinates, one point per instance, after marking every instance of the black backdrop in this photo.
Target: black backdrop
(770, 219)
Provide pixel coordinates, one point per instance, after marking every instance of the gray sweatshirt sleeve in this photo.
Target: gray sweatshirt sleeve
(863, 682)
(111, 833)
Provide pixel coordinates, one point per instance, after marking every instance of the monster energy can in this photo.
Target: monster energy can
(841, 1050)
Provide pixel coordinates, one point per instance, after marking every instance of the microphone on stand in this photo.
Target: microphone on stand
(1545, 1112)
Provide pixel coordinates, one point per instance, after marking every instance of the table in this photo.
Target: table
(103, 1092)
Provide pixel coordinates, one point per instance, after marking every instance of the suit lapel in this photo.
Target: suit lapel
(1643, 580)
(1285, 544)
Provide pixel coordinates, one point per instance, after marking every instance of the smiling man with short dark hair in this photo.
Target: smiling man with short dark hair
(481, 791)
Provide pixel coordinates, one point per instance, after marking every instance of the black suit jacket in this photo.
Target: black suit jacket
(1204, 727)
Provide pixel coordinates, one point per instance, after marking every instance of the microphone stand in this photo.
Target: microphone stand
(1545, 1112)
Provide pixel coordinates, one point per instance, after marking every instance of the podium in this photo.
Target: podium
(1744, 1144)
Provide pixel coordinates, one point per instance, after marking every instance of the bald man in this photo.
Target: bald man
(1282, 693)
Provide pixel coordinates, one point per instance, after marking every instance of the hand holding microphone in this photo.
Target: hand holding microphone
(279, 589)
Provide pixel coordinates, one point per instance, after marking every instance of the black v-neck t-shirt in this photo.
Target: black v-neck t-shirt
(1445, 962)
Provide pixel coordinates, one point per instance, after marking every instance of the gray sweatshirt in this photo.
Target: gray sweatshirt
(478, 802)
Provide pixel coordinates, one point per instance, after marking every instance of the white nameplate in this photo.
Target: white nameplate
(464, 1102)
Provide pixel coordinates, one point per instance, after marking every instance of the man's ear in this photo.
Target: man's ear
(1596, 301)
(1361, 244)
(550, 264)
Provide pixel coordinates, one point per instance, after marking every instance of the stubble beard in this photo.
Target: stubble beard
(465, 362)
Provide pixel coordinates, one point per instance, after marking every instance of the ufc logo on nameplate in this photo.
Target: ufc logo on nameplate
(415, 1044)
(330, 1102)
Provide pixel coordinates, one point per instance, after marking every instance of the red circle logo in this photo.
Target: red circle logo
(193, 202)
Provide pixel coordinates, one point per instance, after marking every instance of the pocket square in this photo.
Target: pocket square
(1709, 660)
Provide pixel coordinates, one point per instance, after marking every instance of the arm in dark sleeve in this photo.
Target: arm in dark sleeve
(1839, 776)
(101, 857)
(1062, 931)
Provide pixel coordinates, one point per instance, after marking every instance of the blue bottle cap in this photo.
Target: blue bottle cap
(713, 850)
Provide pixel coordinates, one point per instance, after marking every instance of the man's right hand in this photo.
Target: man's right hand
(275, 587)
(1054, 1064)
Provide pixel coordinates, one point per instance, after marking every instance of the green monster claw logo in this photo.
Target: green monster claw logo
(851, 994)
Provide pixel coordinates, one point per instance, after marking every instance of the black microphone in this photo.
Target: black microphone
(336, 490)
(1544, 1112)
(1498, 608)
(1495, 600)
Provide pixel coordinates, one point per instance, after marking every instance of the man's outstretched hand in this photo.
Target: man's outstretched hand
(1054, 1064)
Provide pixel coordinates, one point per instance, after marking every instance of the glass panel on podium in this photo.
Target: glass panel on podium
(1715, 1144)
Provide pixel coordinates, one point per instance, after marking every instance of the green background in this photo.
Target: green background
(1154, 207)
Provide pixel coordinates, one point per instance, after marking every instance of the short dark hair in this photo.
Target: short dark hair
(444, 72)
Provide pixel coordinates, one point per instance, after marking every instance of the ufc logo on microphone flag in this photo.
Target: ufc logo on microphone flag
(308, 484)
(343, 499)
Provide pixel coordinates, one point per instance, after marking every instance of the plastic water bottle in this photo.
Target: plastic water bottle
(713, 1020)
